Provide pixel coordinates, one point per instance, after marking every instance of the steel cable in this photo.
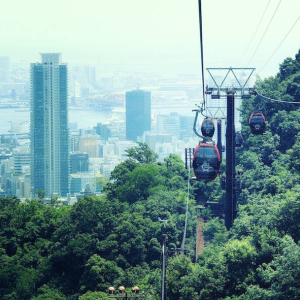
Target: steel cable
(264, 33)
(186, 211)
(276, 100)
(201, 49)
(254, 33)
(280, 44)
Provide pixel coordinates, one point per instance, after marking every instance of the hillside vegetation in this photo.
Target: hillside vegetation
(51, 252)
(54, 252)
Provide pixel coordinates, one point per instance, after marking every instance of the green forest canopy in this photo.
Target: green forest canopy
(78, 252)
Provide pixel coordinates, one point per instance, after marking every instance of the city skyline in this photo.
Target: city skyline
(150, 150)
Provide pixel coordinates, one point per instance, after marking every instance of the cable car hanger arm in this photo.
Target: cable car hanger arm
(195, 127)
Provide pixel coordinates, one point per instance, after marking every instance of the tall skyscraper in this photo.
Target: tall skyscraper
(49, 126)
(79, 162)
(138, 114)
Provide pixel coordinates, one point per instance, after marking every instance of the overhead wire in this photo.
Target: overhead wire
(201, 50)
(264, 34)
(197, 111)
(294, 24)
(186, 210)
(276, 100)
(254, 33)
(202, 108)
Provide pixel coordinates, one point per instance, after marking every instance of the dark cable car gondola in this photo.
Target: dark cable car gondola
(238, 139)
(206, 162)
(208, 128)
(257, 123)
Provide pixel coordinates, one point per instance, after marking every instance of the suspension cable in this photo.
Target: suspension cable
(264, 33)
(203, 103)
(254, 33)
(201, 46)
(276, 100)
(280, 44)
(186, 211)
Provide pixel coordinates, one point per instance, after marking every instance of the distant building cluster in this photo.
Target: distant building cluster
(47, 156)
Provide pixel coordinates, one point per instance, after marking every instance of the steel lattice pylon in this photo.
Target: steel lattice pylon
(228, 111)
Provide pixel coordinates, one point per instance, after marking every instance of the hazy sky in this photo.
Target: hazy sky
(157, 33)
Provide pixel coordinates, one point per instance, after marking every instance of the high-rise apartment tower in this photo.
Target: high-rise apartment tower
(49, 126)
(138, 114)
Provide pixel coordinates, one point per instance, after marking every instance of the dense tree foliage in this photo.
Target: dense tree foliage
(68, 253)
(50, 252)
(259, 257)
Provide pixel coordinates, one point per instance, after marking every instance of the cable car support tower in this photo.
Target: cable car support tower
(239, 91)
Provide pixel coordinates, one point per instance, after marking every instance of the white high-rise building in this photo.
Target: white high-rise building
(168, 124)
(21, 159)
(49, 126)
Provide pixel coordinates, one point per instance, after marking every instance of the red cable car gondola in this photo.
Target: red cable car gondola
(206, 162)
(238, 139)
(208, 128)
(257, 123)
